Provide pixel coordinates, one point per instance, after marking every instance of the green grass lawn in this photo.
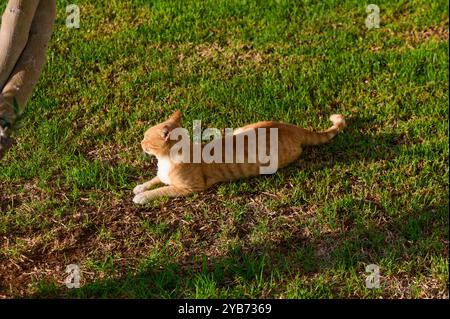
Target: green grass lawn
(378, 194)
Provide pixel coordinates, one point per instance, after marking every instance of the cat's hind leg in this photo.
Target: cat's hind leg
(169, 191)
(146, 186)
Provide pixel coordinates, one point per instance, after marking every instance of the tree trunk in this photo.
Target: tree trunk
(24, 35)
(16, 24)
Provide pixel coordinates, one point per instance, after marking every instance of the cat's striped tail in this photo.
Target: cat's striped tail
(316, 138)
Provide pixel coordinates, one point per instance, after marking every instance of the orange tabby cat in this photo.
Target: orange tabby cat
(183, 178)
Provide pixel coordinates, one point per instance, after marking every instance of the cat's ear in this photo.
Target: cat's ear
(165, 133)
(172, 122)
(175, 118)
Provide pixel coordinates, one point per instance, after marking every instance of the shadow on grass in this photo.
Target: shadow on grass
(246, 270)
(354, 145)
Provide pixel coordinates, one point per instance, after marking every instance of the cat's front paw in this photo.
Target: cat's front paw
(140, 199)
(139, 189)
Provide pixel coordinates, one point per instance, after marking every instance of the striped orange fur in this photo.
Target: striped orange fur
(185, 178)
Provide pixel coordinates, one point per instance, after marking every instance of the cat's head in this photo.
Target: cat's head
(157, 138)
